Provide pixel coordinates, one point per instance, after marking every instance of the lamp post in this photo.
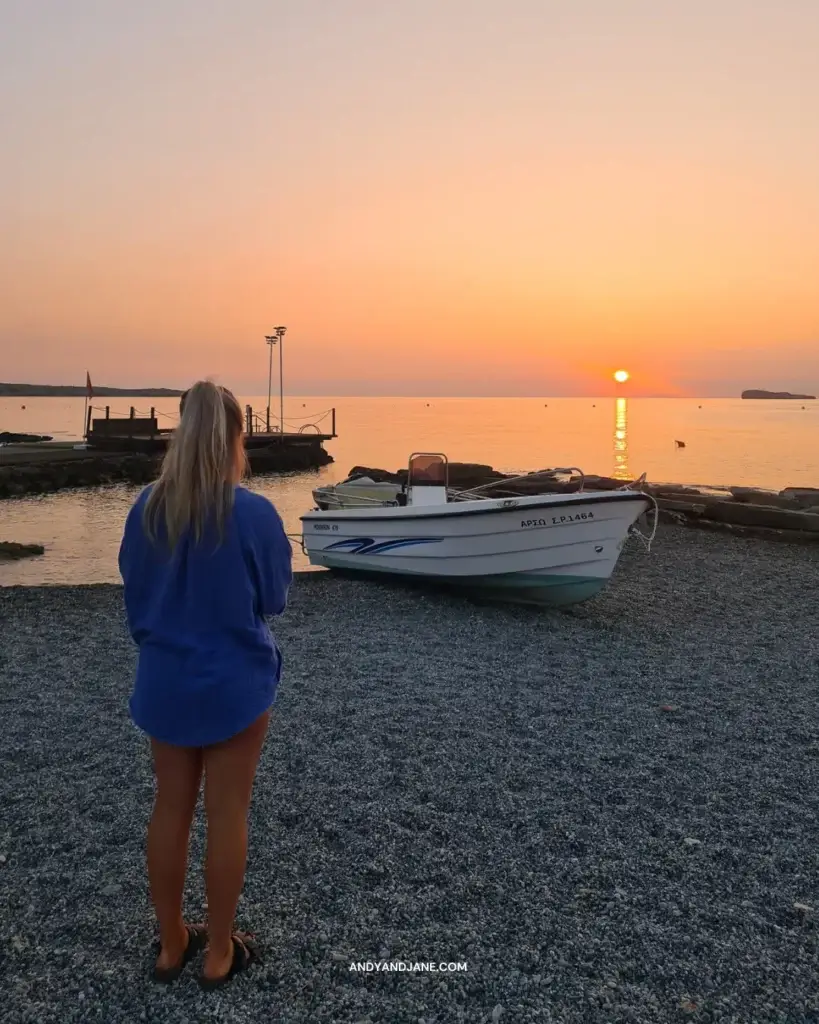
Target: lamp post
(271, 341)
(277, 338)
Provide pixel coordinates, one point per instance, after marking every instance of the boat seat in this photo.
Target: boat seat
(427, 495)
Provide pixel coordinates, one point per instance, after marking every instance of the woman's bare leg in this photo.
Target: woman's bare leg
(178, 773)
(230, 769)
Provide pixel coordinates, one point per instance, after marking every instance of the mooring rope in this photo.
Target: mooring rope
(635, 531)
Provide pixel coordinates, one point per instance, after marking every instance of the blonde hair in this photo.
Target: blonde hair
(204, 461)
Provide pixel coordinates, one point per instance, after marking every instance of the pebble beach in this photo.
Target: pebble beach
(609, 814)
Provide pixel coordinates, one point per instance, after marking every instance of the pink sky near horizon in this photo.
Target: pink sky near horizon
(467, 197)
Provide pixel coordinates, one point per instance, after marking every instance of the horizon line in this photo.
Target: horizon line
(389, 395)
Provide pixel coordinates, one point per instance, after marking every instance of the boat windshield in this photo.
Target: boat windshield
(427, 471)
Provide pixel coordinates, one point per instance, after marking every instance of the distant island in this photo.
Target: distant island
(70, 391)
(775, 394)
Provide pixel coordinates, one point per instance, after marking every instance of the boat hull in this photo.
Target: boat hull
(553, 550)
(543, 589)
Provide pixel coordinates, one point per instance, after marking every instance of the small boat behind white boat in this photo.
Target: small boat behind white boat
(355, 492)
(547, 549)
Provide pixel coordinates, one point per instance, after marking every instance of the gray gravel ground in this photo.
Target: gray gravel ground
(609, 814)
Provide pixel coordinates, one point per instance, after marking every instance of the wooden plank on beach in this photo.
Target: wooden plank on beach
(742, 514)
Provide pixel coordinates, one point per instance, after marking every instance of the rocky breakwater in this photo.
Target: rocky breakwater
(44, 469)
(45, 476)
(789, 514)
(283, 458)
(462, 475)
(490, 482)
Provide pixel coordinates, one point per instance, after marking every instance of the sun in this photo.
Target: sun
(621, 376)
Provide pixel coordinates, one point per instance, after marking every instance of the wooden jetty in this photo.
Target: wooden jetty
(129, 448)
(143, 433)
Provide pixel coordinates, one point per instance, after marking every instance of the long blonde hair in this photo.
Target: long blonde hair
(204, 461)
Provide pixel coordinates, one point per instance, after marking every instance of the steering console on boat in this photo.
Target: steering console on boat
(427, 479)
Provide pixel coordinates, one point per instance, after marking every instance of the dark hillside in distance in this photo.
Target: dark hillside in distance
(70, 391)
(775, 394)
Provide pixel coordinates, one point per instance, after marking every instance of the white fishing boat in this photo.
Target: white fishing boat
(548, 549)
(355, 492)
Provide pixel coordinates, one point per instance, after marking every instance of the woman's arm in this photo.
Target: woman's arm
(272, 559)
(125, 548)
(129, 555)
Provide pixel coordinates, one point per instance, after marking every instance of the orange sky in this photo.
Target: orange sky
(464, 198)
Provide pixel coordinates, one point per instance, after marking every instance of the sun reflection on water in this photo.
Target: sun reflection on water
(621, 470)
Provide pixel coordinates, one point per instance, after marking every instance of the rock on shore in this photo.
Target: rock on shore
(6, 437)
(10, 551)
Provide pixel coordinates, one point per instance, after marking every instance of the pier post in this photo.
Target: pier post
(248, 421)
(88, 422)
(153, 416)
(334, 422)
(108, 412)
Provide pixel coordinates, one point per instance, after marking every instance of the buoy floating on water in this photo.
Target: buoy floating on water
(680, 444)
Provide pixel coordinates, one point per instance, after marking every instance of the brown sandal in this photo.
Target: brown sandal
(245, 952)
(197, 940)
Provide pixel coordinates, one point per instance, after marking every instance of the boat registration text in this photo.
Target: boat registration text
(575, 517)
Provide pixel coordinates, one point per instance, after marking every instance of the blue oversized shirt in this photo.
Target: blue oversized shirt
(208, 663)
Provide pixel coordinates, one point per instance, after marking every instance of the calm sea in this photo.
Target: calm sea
(727, 441)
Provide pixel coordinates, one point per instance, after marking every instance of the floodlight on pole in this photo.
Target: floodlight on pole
(271, 341)
(277, 338)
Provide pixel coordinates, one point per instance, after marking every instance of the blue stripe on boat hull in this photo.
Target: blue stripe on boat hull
(368, 546)
(546, 589)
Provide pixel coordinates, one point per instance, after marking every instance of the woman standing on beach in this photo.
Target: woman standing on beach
(204, 561)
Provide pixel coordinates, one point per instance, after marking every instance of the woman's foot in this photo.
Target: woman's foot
(173, 952)
(174, 957)
(221, 966)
